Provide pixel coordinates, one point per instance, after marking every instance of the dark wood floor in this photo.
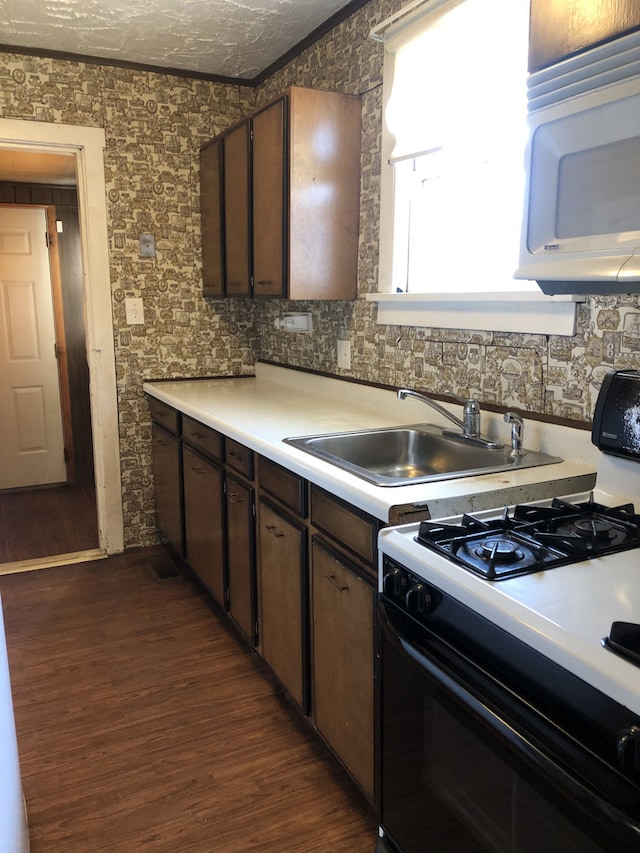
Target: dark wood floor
(45, 522)
(145, 724)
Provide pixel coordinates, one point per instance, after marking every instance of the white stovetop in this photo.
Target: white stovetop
(278, 403)
(564, 613)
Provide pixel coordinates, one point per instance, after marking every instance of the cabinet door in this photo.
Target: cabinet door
(167, 485)
(203, 514)
(269, 208)
(283, 595)
(237, 211)
(324, 148)
(343, 660)
(211, 217)
(241, 556)
(558, 30)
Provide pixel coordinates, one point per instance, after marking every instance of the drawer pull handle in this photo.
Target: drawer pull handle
(332, 580)
(162, 443)
(274, 531)
(236, 499)
(198, 470)
(235, 456)
(265, 282)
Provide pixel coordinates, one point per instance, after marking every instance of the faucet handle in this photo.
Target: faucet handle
(470, 403)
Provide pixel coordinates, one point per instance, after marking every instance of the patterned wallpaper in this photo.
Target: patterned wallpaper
(155, 125)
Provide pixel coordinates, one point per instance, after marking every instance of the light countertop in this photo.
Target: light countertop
(278, 403)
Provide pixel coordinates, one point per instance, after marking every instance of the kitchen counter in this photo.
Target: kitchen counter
(277, 403)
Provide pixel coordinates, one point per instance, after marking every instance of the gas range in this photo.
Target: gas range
(562, 575)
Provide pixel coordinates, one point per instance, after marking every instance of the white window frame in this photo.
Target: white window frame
(524, 309)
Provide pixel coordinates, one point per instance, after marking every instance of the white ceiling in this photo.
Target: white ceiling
(228, 38)
(36, 167)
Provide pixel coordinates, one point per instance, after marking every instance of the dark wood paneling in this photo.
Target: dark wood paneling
(72, 278)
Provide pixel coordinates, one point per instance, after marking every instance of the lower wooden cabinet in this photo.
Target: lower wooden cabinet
(168, 485)
(283, 599)
(204, 520)
(295, 568)
(342, 630)
(241, 556)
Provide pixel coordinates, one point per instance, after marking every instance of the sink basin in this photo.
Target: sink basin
(401, 456)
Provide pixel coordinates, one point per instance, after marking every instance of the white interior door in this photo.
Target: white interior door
(32, 447)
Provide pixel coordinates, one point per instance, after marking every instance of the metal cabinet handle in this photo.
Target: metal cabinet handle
(198, 470)
(274, 531)
(332, 580)
(265, 282)
(236, 499)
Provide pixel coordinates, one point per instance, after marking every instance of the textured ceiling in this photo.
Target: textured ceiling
(228, 38)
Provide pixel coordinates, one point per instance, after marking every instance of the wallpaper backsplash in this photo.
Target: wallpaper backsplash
(155, 125)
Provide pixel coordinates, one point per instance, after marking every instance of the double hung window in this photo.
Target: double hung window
(453, 152)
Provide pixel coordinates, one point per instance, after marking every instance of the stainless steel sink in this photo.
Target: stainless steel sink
(400, 456)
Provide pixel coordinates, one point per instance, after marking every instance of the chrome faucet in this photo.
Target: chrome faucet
(517, 433)
(469, 424)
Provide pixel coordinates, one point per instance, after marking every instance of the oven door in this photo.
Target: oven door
(468, 767)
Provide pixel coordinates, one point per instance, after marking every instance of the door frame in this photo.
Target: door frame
(87, 145)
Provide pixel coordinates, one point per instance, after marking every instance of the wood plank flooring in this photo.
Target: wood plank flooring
(46, 522)
(145, 724)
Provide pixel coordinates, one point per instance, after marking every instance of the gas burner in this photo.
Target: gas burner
(532, 538)
(593, 528)
(499, 549)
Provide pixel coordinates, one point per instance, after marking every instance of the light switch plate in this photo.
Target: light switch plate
(135, 311)
(147, 246)
(344, 355)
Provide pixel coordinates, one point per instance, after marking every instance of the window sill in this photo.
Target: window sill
(525, 311)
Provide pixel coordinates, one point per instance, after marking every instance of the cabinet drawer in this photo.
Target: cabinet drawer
(201, 436)
(240, 458)
(355, 531)
(165, 415)
(286, 486)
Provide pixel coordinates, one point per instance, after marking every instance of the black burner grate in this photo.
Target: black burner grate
(534, 537)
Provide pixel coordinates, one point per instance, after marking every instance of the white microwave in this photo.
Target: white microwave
(581, 224)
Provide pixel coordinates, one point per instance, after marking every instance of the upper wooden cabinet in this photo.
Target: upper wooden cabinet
(559, 30)
(291, 198)
(211, 214)
(237, 209)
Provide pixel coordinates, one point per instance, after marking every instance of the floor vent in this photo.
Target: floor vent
(162, 569)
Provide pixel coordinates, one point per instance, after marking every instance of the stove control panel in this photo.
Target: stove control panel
(407, 590)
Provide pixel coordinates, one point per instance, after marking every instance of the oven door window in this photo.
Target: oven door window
(450, 783)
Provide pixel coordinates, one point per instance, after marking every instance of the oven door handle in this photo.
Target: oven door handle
(563, 761)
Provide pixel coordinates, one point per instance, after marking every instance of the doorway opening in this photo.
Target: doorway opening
(84, 146)
(47, 484)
